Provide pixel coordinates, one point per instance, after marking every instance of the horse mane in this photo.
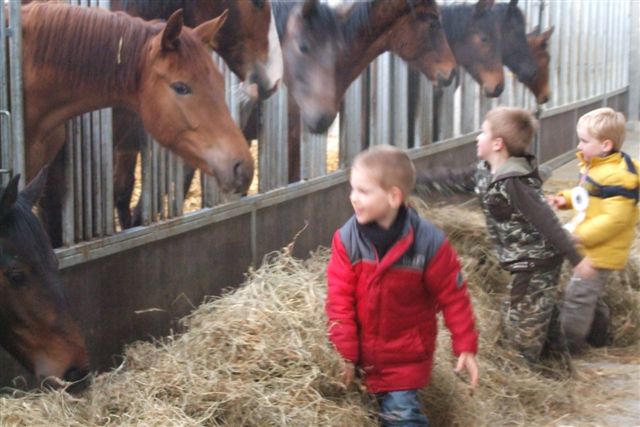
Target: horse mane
(153, 9)
(325, 18)
(358, 19)
(88, 46)
(26, 234)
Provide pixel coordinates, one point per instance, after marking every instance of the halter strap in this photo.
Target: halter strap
(606, 191)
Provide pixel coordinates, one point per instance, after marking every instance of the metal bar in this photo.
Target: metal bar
(313, 154)
(5, 119)
(77, 175)
(15, 77)
(423, 115)
(171, 193)
(633, 77)
(106, 143)
(147, 189)
(273, 146)
(399, 103)
(351, 120)
(68, 228)
(468, 112)
(96, 184)
(87, 177)
(380, 96)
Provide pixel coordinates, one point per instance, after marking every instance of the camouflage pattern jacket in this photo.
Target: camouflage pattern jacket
(525, 230)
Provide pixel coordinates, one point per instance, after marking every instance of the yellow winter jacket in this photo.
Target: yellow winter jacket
(608, 229)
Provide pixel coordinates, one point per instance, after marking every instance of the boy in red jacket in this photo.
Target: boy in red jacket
(389, 273)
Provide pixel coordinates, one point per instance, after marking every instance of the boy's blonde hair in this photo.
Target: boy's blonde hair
(516, 127)
(604, 123)
(390, 166)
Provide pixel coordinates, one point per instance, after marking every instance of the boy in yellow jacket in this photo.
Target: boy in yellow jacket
(606, 203)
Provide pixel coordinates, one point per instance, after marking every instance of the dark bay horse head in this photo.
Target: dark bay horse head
(248, 42)
(162, 71)
(35, 325)
(418, 38)
(473, 33)
(539, 44)
(311, 38)
(516, 54)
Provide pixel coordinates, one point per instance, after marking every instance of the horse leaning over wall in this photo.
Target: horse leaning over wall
(162, 71)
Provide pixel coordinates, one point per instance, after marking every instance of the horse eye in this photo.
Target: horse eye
(303, 48)
(258, 3)
(16, 277)
(181, 88)
(484, 38)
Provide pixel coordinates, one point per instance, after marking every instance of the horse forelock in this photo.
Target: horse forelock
(455, 19)
(323, 20)
(84, 46)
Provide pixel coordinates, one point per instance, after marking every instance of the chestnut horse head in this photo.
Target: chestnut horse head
(35, 325)
(311, 39)
(516, 54)
(539, 44)
(473, 33)
(248, 42)
(162, 71)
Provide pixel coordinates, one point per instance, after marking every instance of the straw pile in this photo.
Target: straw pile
(259, 356)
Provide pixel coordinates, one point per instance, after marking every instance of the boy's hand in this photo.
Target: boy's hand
(467, 361)
(585, 269)
(557, 201)
(348, 373)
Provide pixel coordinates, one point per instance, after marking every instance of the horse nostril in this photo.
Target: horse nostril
(324, 123)
(80, 378)
(496, 91)
(242, 177)
(543, 99)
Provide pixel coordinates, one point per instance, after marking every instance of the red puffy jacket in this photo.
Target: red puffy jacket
(382, 313)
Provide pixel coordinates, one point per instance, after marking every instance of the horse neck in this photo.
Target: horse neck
(60, 84)
(371, 39)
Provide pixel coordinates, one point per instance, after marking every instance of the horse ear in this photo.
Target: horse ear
(482, 6)
(535, 32)
(172, 31)
(513, 6)
(547, 34)
(9, 195)
(207, 31)
(309, 8)
(32, 192)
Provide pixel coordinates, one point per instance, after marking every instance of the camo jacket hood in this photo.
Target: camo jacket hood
(516, 239)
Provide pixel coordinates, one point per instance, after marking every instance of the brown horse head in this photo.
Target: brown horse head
(248, 42)
(473, 34)
(418, 38)
(516, 54)
(539, 44)
(35, 325)
(163, 71)
(311, 38)
(183, 107)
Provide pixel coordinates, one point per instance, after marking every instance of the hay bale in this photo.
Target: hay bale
(259, 356)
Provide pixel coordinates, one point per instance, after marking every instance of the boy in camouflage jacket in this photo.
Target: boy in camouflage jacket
(529, 241)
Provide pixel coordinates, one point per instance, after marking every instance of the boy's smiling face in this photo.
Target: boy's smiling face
(590, 146)
(371, 202)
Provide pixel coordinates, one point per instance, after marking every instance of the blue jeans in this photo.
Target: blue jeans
(401, 408)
